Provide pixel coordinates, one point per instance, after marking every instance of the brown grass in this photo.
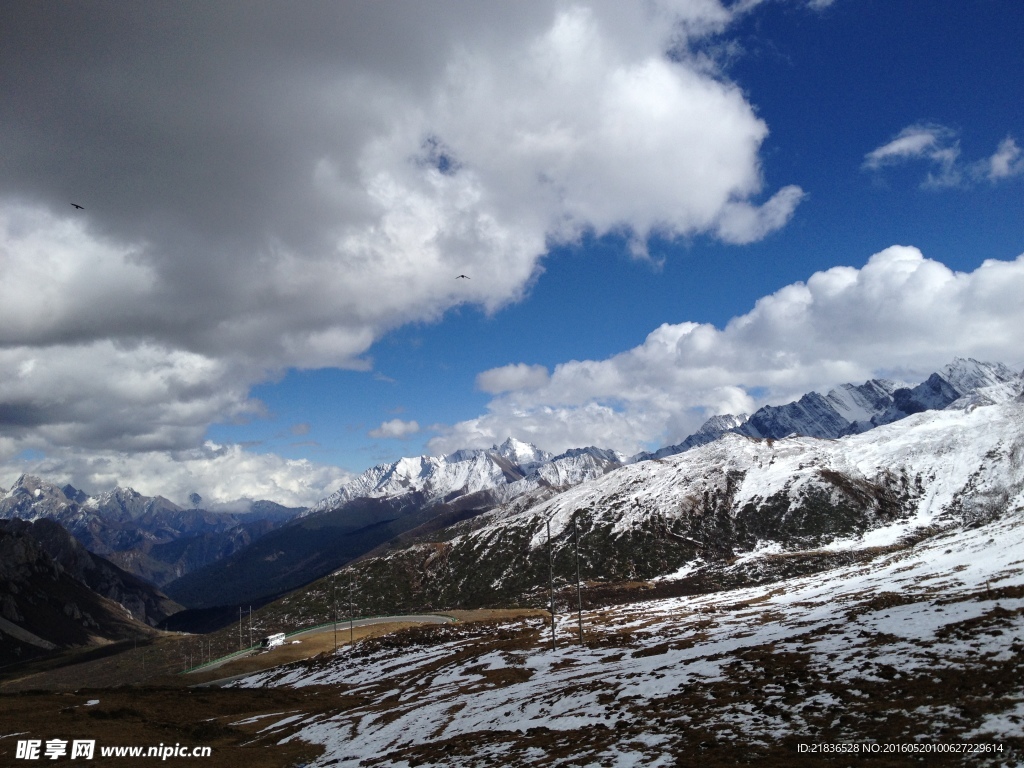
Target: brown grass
(154, 716)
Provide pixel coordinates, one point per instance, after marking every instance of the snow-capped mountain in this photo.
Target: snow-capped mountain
(505, 471)
(710, 430)
(386, 506)
(860, 591)
(934, 469)
(853, 408)
(134, 531)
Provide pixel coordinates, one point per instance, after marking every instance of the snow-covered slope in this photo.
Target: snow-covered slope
(939, 463)
(911, 654)
(726, 498)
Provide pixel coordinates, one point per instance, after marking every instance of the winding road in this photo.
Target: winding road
(342, 627)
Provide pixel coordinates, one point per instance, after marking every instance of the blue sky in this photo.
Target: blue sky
(832, 86)
(269, 244)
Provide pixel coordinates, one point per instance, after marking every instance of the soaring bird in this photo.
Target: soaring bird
(463, 276)
(79, 207)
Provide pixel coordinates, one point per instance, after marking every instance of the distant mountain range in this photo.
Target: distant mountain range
(505, 471)
(428, 498)
(389, 504)
(850, 409)
(957, 467)
(205, 559)
(148, 536)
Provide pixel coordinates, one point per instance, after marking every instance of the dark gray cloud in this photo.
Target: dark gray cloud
(268, 185)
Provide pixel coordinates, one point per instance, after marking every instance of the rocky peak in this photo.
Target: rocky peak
(967, 374)
(524, 455)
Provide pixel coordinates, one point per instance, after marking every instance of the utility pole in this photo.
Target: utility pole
(334, 606)
(351, 614)
(250, 626)
(239, 627)
(579, 593)
(551, 580)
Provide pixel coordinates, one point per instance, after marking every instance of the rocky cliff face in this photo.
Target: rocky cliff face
(44, 608)
(144, 602)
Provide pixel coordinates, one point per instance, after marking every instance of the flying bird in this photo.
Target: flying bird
(463, 276)
(79, 207)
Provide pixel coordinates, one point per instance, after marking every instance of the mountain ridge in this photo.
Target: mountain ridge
(413, 498)
(147, 536)
(851, 408)
(954, 467)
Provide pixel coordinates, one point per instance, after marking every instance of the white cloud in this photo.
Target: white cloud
(1006, 161)
(219, 473)
(741, 223)
(934, 143)
(914, 141)
(940, 147)
(307, 195)
(515, 376)
(395, 428)
(901, 315)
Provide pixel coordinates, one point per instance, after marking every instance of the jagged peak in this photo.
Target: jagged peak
(464, 454)
(604, 454)
(966, 374)
(721, 422)
(119, 492)
(35, 485)
(520, 452)
(27, 481)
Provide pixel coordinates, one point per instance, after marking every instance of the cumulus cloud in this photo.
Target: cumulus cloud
(741, 223)
(940, 147)
(272, 189)
(395, 428)
(107, 395)
(901, 315)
